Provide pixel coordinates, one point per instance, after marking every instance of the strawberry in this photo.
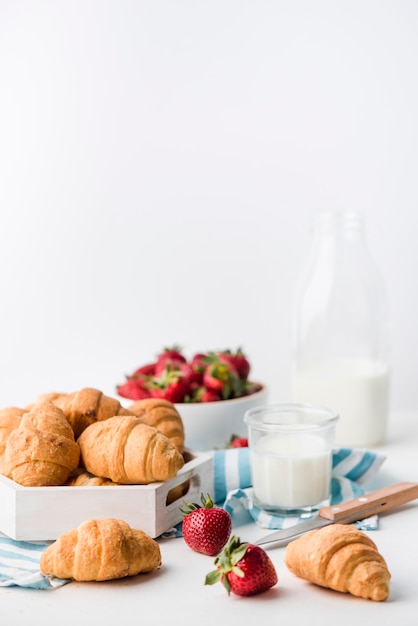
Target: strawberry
(222, 378)
(170, 356)
(173, 353)
(133, 389)
(238, 442)
(238, 360)
(171, 385)
(243, 568)
(206, 528)
(201, 394)
(199, 360)
(166, 363)
(198, 364)
(174, 365)
(145, 370)
(190, 374)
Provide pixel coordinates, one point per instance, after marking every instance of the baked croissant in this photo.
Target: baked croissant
(340, 557)
(163, 415)
(86, 407)
(9, 420)
(129, 452)
(46, 416)
(102, 549)
(82, 478)
(42, 450)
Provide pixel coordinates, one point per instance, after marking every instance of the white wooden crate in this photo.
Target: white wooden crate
(44, 513)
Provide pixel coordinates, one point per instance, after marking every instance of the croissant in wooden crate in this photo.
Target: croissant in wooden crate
(82, 478)
(85, 407)
(102, 549)
(9, 420)
(42, 450)
(163, 415)
(340, 557)
(127, 451)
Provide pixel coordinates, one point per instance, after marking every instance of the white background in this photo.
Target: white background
(159, 164)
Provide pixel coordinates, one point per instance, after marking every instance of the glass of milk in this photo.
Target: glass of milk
(291, 456)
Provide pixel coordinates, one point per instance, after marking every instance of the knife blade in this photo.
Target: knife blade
(375, 502)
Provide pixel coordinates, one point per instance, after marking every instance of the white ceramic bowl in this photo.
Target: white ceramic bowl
(209, 425)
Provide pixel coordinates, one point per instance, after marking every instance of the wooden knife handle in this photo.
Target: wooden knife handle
(372, 503)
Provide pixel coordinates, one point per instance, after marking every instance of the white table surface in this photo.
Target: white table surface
(176, 594)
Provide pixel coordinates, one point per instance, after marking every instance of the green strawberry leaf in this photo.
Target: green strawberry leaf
(213, 577)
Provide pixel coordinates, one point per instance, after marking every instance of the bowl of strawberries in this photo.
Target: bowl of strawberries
(211, 390)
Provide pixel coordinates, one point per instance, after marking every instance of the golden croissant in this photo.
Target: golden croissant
(163, 415)
(9, 420)
(47, 416)
(340, 557)
(42, 450)
(127, 451)
(82, 478)
(102, 549)
(86, 407)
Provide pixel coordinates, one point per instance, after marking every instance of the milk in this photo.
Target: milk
(291, 470)
(357, 390)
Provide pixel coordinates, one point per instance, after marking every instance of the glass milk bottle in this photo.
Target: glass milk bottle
(341, 333)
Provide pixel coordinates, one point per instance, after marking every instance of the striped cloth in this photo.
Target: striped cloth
(19, 565)
(19, 560)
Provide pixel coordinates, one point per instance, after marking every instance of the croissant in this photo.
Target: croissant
(9, 420)
(85, 407)
(127, 451)
(163, 415)
(81, 478)
(42, 450)
(340, 557)
(102, 549)
(46, 416)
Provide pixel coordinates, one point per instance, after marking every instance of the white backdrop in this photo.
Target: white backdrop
(159, 164)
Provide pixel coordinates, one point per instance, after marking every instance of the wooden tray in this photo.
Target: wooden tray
(43, 513)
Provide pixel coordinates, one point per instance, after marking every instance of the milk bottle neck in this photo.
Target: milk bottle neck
(339, 227)
(341, 302)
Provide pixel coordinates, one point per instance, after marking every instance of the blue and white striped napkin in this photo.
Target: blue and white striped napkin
(351, 468)
(19, 565)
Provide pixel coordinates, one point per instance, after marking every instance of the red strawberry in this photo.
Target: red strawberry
(145, 370)
(133, 389)
(174, 365)
(190, 374)
(199, 363)
(238, 442)
(171, 385)
(207, 528)
(167, 362)
(172, 353)
(222, 378)
(170, 356)
(201, 394)
(199, 360)
(243, 568)
(238, 360)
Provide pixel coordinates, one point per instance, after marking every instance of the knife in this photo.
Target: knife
(375, 502)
